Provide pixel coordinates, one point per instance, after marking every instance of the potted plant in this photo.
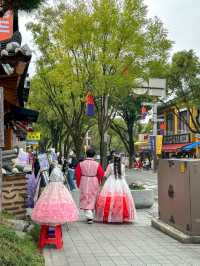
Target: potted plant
(143, 197)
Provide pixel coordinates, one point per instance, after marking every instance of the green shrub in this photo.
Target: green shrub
(17, 251)
(35, 232)
(136, 186)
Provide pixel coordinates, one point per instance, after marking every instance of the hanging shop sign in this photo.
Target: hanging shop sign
(177, 139)
(33, 136)
(159, 140)
(152, 143)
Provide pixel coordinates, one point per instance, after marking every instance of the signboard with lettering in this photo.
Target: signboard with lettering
(33, 136)
(176, 139)
(6, 26)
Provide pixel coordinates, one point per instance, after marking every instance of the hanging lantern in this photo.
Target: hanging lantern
(90, 104)
(162, 126)
(143, 112)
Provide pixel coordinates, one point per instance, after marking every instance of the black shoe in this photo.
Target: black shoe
(90, 221)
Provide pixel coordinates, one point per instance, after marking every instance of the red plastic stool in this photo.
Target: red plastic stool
(49, 238)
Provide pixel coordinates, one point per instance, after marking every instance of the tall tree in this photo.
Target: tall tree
(107, 43)
(184, 85)
(129, 111)
(66, 107)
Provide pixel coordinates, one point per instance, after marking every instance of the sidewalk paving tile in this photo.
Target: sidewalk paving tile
(129, 244)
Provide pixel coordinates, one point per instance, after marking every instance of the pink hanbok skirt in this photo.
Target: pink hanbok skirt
(55, 206)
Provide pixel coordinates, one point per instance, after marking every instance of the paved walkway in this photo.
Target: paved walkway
(126, 244)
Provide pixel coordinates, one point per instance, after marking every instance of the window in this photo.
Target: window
(183, 119)
(170, 124)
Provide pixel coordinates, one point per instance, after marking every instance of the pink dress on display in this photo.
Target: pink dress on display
(115, 203)
(55, 205)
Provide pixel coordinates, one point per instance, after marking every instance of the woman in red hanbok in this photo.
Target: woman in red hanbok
(115, 203)
(89, 175)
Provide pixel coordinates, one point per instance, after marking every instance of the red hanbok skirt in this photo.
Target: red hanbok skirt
(115, 203)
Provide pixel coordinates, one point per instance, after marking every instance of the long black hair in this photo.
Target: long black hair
(117, 167)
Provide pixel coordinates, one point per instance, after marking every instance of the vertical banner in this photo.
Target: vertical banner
(159, 140)
(1, 118)
(152, 143)
(6, 26)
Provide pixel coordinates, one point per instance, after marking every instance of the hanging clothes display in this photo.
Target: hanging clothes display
(55, 205)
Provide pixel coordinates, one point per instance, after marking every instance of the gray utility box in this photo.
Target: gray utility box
(179, 194)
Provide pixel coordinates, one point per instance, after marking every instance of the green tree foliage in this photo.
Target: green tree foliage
(102, 46)
(26, 5)
(129, 110)
(184, 84)
(62, 107)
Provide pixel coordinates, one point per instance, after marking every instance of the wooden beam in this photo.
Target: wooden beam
(1, 118)
(1, 140)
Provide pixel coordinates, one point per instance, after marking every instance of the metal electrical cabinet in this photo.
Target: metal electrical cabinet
(179, 194)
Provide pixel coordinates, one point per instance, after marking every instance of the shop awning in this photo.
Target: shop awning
(21, 114)
(172, 147)
(190, 146)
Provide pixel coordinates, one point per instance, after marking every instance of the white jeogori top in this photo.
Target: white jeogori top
(56, 175)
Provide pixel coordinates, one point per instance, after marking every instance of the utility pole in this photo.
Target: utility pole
(155, 132)
(155, 88)
(155, 120)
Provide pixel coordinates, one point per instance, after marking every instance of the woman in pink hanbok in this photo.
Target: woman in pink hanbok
(115, 203)
(89, 175)
(55, 206)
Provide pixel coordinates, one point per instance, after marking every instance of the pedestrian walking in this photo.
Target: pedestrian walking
(71, 175)
(115, 203)
(89, 175)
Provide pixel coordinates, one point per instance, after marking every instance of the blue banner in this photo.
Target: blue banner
(152, 143)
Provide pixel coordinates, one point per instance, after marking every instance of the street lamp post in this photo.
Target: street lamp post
(157, 89)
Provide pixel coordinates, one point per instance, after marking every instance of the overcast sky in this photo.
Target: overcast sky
(180, 17)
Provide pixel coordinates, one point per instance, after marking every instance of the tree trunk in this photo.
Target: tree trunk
(103, 124)
(60, 144)
(78, 143)
(67, 146)
(131, 150)
(103, 150)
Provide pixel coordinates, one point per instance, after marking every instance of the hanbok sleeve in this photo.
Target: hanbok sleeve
(78, 175)
(100, 174)
(108, 171)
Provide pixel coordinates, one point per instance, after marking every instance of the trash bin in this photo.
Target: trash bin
(179, 194)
